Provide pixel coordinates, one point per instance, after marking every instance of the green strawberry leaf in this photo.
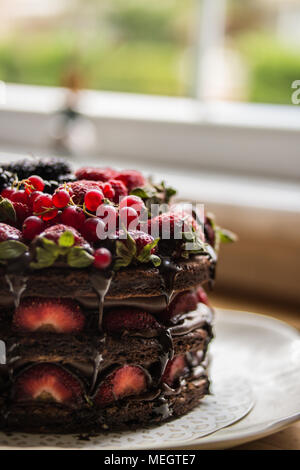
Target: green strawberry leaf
(44, 258)
(145, 254)
(79, 258)
(11, 249)
(66, 240)
(7, 211)
(155, 260)
(226, 236)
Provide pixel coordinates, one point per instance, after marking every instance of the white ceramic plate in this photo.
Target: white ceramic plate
(255, 360)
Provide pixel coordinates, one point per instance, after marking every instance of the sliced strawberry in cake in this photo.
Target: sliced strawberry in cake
(129, 319)
(125, 381)
(175, 369)
(49, 314)
(184, 302)
(47, 382)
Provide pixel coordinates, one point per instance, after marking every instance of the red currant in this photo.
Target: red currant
(61, 198)
(43, 205)
(37, 182)
(108, 191)
(93, 199)
(20, 196)
(91, 229)
(128, 218)
(32, 197)
(133, 201)
(32, 227)
(109, 215)
(8, 192)
(103, 258)
(73, 216)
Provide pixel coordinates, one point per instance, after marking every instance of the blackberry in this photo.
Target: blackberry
(46, 168)
(6, 179)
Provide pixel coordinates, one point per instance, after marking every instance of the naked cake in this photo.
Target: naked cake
(105, 320)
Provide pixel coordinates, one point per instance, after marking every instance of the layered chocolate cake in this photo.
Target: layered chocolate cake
(104, 316)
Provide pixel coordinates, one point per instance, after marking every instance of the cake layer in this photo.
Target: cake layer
(130, 282)
(129, 413)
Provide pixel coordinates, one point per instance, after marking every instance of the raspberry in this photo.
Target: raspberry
(32, 227)
(93, 199)
(131, 178)
(108, 191)
(61, 198)
(170, 224)
(95, 174)
(78, 189)
(103, 258)
(74, 217)
(120, 190)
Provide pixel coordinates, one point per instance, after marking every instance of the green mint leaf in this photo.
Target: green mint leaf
(44, 258)
(79, 258)
(143, 193)
(66, 240)
(7, 211)
(11, 249)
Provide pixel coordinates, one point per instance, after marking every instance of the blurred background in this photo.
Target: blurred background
(199, 91)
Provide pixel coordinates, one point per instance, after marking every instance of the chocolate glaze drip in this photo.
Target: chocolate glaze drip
(168, 270)
(100, 283)
(193, 320)
(17, 285)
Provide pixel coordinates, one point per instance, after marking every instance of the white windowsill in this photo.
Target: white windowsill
(249, 139)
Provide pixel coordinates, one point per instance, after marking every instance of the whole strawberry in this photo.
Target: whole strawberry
(7, 232)
(135, 246)
(131, 178)
(95, 174)
(54, 233)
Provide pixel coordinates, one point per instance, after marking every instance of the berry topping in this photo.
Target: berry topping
(103, 258)
(54, 233)
(73, 216)
(202, 296)
(129, 319)
(36, 182)
(48, 383)
(176, 368)
(170, 224)
(134, 202)
(129, 218)
(108, 191)
(43, 206)
(78, 189)
(119, 189)
(135, 245)
(22, 212)
(93, 229)
(109, 215)
(93, 199)
(9, 233)
(131, 178)
(20, 196)
(61, 198)
(54, 315)
(46, 168)
(8, 193)
(95, 174)
(124, 382)
(32, 227)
